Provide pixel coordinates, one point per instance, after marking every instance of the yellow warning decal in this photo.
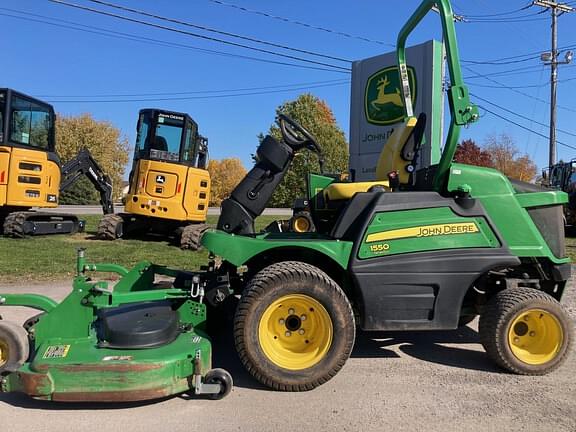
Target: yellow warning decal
(424, 231)
(56, 351)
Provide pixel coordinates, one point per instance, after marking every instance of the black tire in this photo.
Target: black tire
(271, 285)
(191, 236)
(14, 346)
(111, 227)
(222, 377)
(501, 322)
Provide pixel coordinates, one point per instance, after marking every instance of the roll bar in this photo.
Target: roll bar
(462, 111)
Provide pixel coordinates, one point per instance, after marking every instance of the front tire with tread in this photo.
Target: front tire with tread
(292, 279)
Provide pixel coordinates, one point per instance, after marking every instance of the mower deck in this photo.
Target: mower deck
(80, 371)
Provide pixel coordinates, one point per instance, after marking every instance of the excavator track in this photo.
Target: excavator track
(191, 236)
(21, 224)
(111, 227)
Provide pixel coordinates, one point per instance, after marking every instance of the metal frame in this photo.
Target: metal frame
(462, 111)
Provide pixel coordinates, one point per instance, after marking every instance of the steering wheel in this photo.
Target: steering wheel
(297, 136)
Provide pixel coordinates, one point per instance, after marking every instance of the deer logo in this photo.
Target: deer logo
(383, 97)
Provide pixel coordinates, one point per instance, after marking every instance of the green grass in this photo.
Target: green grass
(53, 257)
(571, 248)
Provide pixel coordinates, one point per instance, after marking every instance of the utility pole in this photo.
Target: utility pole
(551, 58)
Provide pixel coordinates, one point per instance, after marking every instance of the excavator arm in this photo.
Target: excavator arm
(85, 164)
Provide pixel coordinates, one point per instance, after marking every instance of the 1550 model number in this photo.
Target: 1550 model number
(379, 247)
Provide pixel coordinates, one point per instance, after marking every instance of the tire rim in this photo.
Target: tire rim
(301, 225)
(535, 336)
(4, 353)
(295, 332)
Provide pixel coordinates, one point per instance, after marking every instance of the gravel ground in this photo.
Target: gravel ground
(426, 381)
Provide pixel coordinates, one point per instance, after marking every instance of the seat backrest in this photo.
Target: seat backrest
(160, 143)
(401, 150)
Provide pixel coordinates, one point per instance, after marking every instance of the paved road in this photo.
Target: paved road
(436, 381)
(94, 209)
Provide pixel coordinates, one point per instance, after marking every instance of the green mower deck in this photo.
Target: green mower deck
(145, 339)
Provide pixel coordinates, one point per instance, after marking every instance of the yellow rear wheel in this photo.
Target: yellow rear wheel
(535, 336)
(526, 331)
(295, 332)
(294, 327)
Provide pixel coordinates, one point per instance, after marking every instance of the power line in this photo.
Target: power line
(505, 21)
(498, 63)
(513, 89)
(515, 72)
(519, 115)
(216, 96)
(149, 41)
(495, 62)
(212, 30)
(521, 32)
(196, 35)
(301, 85)
(526, 69)
(520, 87)
(501, 13)
(525, 128)
(532, 54)
(300, 23)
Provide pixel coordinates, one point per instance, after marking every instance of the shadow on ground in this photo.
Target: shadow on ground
(426, 346)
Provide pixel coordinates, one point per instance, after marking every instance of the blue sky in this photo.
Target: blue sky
(60, 64)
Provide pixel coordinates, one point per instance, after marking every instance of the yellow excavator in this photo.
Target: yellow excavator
(169, 183)
(31, 175)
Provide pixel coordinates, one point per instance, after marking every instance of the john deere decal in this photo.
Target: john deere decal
(383, 97)
(424, 231)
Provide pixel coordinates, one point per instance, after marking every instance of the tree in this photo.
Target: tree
(82, 192)
(506, 158)
(317, 117)
(469, 153)
(104, 141)
(225, 174)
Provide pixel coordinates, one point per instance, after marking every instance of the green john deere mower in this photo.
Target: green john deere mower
(144, 339)
(419, 249)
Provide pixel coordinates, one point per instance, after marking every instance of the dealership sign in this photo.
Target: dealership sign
(377, 107)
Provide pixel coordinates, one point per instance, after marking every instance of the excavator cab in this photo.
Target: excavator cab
(31, 174)
(29, 165)
(169, 137)
(169, 184)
